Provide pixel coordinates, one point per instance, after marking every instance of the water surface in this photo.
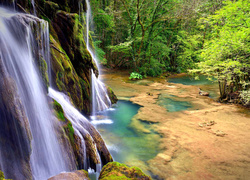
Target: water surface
(172, 104)
(127, 144)
(206, 85)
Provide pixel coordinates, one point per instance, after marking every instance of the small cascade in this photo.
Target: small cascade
(17, 43)
(44, 49)
(33, 6)
(79, 122)
(100, 98)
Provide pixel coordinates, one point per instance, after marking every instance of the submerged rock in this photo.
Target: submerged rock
(115, 170)
(77, 175)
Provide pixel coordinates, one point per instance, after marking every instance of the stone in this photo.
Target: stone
(77, 175)
(203, 93)
(115, 170)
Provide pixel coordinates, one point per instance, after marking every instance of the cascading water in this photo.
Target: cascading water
(34, 8)
(100, 98)
(79, 123)
(17, 42)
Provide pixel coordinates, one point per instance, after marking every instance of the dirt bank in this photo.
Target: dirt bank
(207, 141)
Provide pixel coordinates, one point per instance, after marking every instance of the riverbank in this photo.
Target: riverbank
(207, 140)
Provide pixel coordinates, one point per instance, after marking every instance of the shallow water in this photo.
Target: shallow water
(188, 80)
(125, 143)
(172, 104)
(203, 83)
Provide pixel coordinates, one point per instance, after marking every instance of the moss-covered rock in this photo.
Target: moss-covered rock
(77, 175)
(1, 175)
(59, 111)
(50, 9)
(112, 95)
(69, 31)
(64, 74)
(118, 171)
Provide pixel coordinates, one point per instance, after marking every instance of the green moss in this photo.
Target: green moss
(50, 9)
(1, 175)
(85, 86)
(59, 111)
(115, 170)
(43, 70)
(111, 95)
(71, 132)
(45, 18)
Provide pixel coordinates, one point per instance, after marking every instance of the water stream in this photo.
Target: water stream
(78, 121)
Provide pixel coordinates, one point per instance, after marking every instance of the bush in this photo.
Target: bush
(135, 75)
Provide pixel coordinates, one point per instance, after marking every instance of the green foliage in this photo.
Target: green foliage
(152, 37)
(135, 75)
(100, 53)
(160, 34)
(226, 52)
(245, 95)
(153, 68)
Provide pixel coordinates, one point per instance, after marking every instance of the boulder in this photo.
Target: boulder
(115, 170)
(203, 93)
(77, 175)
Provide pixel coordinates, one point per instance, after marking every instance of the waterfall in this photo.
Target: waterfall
(17, 44)
(100, 98)
(79, 122)
(33, 6)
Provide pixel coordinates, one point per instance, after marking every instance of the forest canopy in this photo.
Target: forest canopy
(152, 37)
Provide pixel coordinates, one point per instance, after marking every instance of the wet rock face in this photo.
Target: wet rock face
(116, 170)
(77, 175)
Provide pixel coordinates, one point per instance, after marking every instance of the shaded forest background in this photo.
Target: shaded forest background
(152, 37)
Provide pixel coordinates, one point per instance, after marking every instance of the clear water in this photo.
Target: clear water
(172, 104)
(125, 143)
(188, 80)
(203, 83)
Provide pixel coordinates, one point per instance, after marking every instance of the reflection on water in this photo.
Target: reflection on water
(126, 143)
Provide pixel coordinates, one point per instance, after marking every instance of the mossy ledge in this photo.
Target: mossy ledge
(118, 171)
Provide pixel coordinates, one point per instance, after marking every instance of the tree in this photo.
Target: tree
(226, 52)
